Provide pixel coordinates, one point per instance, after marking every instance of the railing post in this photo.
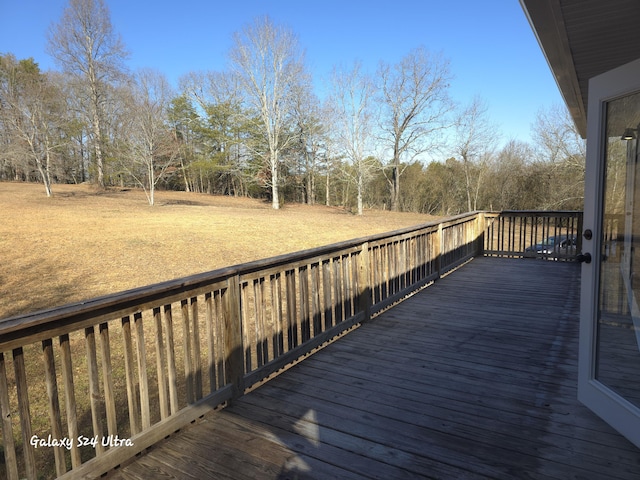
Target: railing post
(364, 282)
(234, 366)
(480, 226)
(438, 251)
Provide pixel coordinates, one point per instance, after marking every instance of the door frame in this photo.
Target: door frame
(606, 403)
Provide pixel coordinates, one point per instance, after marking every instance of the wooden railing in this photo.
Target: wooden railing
(535, 234)
(87, 386)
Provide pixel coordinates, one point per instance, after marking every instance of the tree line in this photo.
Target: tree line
(375, 139)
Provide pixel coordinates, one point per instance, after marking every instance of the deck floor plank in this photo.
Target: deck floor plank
(474, 377)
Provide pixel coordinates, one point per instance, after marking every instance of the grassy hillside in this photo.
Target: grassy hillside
(82, 243)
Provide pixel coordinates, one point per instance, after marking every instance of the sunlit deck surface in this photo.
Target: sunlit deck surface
(473, 377)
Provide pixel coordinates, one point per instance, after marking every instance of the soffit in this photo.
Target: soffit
(581, 39)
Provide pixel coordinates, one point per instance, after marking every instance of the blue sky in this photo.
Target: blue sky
(491, 48)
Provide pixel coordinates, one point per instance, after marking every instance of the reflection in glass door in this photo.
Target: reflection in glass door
(618, 314)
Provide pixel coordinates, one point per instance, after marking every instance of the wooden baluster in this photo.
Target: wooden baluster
(547, 227)
(270, 325)
(197, 360)
(107, 379)
(439, 251)
(70, 399)
(261, 341)
(488, 236)
(94, 387)
(403, 260)
(355, 287)
(386, 272)
(421, 257)
(143, 381)
(292, 331)
(347, 286)
(10, 458)
(327, 288)
(382, 272)
(187, 340)
(219, 303)
(248, 328)
(413, 267)
(25, 414)
(54, 404)
(211, 346)
(429, 256)
(253, 324)
(161, 363)
(171, 359)
(512, 229)
(375, 275)
(337, 289)
(305, 320)
(268, 329)
(506, 240)
(316, 312)
(391, 258)
(412, 274)
(132, 397)
(400, 265)
(276, 314)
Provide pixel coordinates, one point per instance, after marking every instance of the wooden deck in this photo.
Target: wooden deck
(474, 377)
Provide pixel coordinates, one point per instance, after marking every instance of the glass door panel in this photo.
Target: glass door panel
(609, 361)
(618, 321)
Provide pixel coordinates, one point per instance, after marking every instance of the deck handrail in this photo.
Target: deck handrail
(192, 344)
(515, 234)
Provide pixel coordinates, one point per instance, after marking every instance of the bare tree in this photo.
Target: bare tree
(310, 147)
(152, 146)
(563, 152)
(268, 62)
(31, 109)
(85, 45)
(415, 106)
(511, 184)
(352, 98)
(475, 139)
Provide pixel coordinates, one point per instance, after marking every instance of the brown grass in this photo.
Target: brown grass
(82, 243)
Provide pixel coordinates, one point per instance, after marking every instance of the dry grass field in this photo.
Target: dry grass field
(83, 242)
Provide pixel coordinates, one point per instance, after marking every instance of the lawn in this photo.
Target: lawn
(83, 242)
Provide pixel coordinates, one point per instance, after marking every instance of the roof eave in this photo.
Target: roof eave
(546, 20)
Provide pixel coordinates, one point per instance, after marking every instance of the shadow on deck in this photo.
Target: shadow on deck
(473, 377)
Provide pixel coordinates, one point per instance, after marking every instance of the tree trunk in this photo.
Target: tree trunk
(187, 188)
(394, 187)
(275, 200)
(360, 192)
(98, 149)
(46, 179)
(96, 124)
(311, 197)
(327, 201)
